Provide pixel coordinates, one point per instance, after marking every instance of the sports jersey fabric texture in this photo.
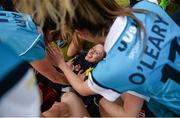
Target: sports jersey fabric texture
(20, 33)
(19, 95)
(148, 66)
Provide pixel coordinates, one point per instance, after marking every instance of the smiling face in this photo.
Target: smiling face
(95, 54)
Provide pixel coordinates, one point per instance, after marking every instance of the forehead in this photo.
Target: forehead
(98, 47)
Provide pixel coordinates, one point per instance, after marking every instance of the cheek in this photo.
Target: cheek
(97, 58)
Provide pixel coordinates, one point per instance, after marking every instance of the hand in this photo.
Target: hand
(81, 75)
(55, 55)
(63, 32)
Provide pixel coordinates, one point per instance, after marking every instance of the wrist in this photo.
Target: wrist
(62, 64)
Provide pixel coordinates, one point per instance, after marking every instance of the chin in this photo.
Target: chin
(86, 58)
(91, 61)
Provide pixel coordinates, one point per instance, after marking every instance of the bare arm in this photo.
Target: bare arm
(129, 105)
(75, 104)
(70, 106)
(46, 69)
(75, 46)
(76, 82)
(59, 109)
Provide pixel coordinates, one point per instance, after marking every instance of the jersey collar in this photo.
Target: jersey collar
(114, 33)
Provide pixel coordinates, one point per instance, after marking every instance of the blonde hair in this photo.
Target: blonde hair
(41, 9)
(97, 16)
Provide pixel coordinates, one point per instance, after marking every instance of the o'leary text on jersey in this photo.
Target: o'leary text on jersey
(152, 49)
(14, 17)
(156, 39)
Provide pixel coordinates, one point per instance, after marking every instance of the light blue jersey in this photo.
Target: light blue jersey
(19, 95)
(148, 66)
(20, 33)
(8, 62)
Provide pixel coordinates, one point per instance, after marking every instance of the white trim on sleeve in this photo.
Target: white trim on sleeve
(115, 31)
(31, 45)
(106, 93)
(139, 95)
(154, 1)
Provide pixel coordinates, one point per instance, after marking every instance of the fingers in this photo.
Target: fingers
(63, 35)
(53, 49)
(49, 48)
(51, 52)
(81, 75)
(80, 72)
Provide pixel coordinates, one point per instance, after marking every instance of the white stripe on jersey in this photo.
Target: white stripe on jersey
(154, 1)
(31, 45)
(110, 94)
(139, 95)
(115, 31)
(106, 93)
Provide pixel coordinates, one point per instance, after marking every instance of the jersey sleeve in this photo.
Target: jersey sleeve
(36, 51)
(110, 94)
(19, 32)
(102, 79)
(106, 93)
